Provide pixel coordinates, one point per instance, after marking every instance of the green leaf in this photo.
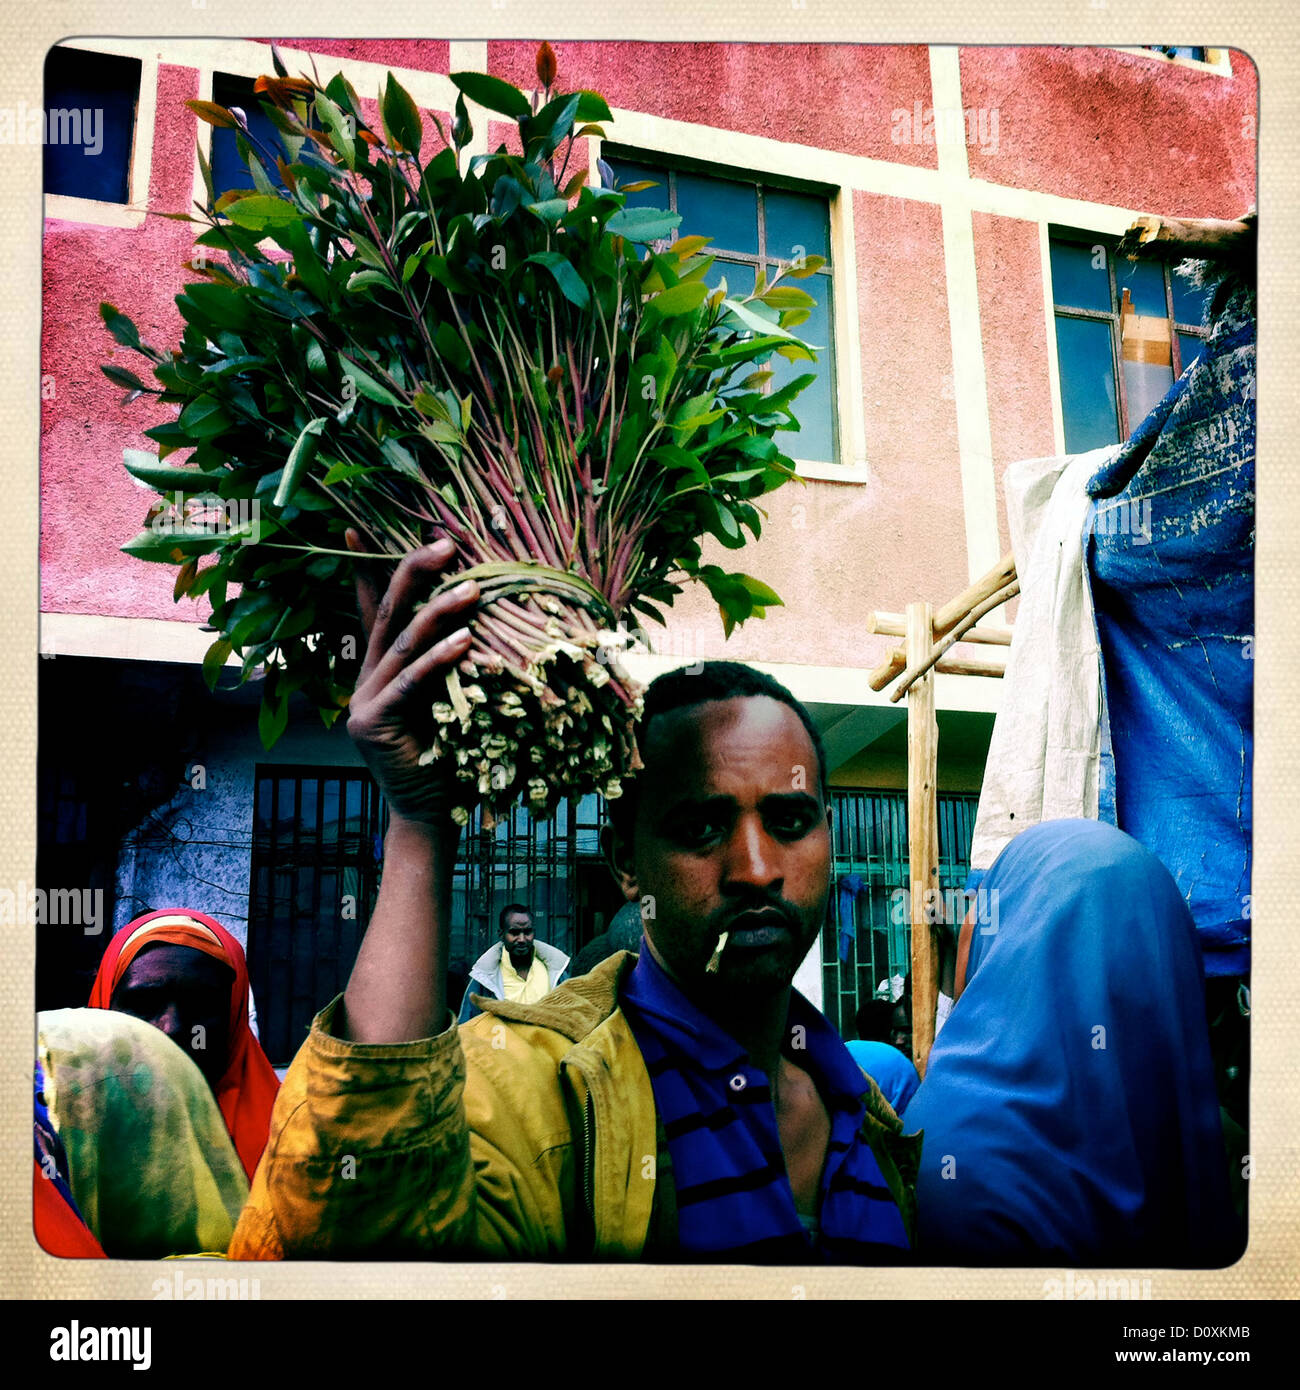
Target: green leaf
(592, 107)
(402, 459)
(743, 476)
(810, 266)
(363, 279)
(163, 477)
(787, 297)
(462, 131)
(272, 718)
(568, 279)
(413, 261)
(344, 472)
(551, 210)
(369, 252)
(451, 345)
(493, 94)
(686, 246)
(758, 591)
(726, 527)
(307, 265)
(120, 326)
(643, 224)
(260, 180)
(204, 418)
(755, 322)
(173, 546)
(168, 437)
(340, 128)
(213, 661)
(300, 457)
(123, 377)
(401, 117)
(314, 356)
(368, 387)
(261, 213)
(215, 306)
(680, 299)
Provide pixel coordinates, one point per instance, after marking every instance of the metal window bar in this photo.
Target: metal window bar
(762, 260)
(526, 861)
(869, 830)
(1112, 318)
(313, 880)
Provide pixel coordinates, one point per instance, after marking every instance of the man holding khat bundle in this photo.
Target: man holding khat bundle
(683, 1104)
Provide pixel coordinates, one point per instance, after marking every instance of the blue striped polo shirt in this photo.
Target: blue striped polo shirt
(734, 1200)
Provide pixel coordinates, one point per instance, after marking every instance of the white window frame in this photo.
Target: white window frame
(1217, 60)
(834, 470)
(95, 211)
(769, 161)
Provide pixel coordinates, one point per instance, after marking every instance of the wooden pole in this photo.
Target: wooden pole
(880, 676)
(922, 832)
(959, 633)
(953, 612)
(969, 666)
(895, 625)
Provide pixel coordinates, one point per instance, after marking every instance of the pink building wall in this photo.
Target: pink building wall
(1119, 128)
(1093, 124)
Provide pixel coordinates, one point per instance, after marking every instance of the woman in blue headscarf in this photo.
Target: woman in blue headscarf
(1069, 1106)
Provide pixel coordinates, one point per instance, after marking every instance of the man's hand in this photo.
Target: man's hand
(398, 989)
(407, 657)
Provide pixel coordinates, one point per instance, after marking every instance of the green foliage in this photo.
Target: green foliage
(470, 347)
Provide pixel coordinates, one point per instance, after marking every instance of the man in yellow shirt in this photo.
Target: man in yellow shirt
(517, 967)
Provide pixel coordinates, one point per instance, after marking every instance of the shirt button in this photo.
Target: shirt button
(738, 1082)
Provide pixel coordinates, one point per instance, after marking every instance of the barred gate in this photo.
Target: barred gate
(536, 863)
(867, 938)
(316, 867)
(314, 876)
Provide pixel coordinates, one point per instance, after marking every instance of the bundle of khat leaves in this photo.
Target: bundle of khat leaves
(494, 354)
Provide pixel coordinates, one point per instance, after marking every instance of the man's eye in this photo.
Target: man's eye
(790, 823)
(697, 829)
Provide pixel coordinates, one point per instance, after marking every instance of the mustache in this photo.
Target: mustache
(776, 907)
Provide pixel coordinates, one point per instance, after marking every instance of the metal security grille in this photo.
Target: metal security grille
(867, 937)
(315, 874)
(537, 863)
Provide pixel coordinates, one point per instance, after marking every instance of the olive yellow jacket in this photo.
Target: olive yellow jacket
(528, 1133)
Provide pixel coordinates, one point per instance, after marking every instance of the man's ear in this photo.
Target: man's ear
(618, 855)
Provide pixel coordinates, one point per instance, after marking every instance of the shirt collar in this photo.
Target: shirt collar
(680, 1024)
(508, 966)
(684, 1027)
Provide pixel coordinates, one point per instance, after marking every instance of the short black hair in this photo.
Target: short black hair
(506, 912)
(699, 684)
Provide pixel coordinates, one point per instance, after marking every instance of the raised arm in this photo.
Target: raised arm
(398, 988)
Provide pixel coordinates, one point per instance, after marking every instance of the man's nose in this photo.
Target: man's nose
(752, 855)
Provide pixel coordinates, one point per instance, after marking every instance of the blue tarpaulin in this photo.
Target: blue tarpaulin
(1170, 550)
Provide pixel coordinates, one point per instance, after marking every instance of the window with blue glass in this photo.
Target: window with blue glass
(1125, 331)
(1177, 50)
(90, 105)
(757, 226)
(229, 164)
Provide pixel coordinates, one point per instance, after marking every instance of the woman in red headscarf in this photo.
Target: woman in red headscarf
(185, 974)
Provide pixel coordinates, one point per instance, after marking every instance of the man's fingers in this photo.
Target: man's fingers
(428, 624)
(409, 581)
(411, 678)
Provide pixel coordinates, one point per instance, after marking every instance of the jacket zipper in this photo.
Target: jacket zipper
(588, 1159)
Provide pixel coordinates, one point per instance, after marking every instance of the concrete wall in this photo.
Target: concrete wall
(197, 849)
(939, 251)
